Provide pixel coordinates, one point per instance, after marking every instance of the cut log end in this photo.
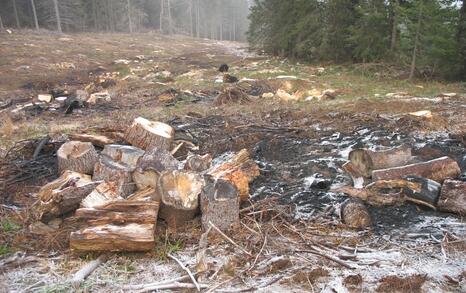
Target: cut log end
(354, 213)
(147, 134)
(77, 156)
(111, 171)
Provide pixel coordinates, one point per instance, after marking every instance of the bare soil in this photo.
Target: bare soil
(293, 233)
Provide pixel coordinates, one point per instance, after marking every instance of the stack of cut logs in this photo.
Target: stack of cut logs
(397, 178)
(118, 194)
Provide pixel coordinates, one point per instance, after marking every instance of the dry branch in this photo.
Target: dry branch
(86, 270)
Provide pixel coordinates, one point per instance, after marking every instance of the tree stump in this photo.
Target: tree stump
(239, 169)
(437, 170)
(453, 197)
(151, 165)
(368, 160)
(355, 214)
(118, 226)
(110, 171)
(147, 134)
(64, 194)
(179, 191)
(198, 163)
(124, 154)
(77, 156)
(219, 204)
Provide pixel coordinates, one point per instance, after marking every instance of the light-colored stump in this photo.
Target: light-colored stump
(64, 194)
(366, 160)
(453, 197)
(77, 156)
(110, 171)
(239, 169)
(437, 170)
(147, 134)
(219, 204)
(179, 191)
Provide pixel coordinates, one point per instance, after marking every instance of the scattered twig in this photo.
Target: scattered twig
(174, 285)
(156, 284)
(86, 270)
(229, 239)
(40, 146)
(187, 270)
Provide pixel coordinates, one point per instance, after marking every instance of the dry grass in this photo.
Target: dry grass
(7, 127)
(398, 284)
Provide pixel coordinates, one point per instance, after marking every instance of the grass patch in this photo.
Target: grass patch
(5, 249)
(9, 226)
(169, 247)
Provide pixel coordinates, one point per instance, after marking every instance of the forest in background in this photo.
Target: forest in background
(427, 37)
(214, 19)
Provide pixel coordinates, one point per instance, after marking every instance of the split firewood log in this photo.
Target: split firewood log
(179, 192)
(354, 213)
(125, 154)
(437, 170)
(151, 165)
(110, 171)
(453, 197)
(97, 140)
(147, 134)
(239, 169)
(198, 163)
(64, 194)
(219, 204)
(103, 193)
(366, 160)
(77, 156)
(356, 175)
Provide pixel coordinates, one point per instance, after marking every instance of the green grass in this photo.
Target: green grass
(9, 226)
(5, 249)
(168, 248)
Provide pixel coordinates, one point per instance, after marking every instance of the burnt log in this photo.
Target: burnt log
(111, 171)
(238, 169)
(77, 156)
(354, 213)
(64, 194)
(198, 163)
(424, 191)
(179, 192)
(437, 170)
(366, 160)
(147, 134)
(220, 204)
(453, 197)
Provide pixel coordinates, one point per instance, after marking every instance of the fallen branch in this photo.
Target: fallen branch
(229, 239)
(174, 285)
(155, 284)
(86, 270)
(187, 270)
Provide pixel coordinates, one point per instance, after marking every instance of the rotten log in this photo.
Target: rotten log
(219, 204)
(118, 225)
(147, 134)
(64, 194)
(110, 171)
(179, 192)
(77, 156)
(239, 169)
(453, 197)
(198, 163)
(151, 165)
(124, 154)
(437, 170)
(97, 140)
(354, 213)
(366, 160)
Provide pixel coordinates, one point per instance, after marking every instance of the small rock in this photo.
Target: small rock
(426, 114)
(99, 98)
(45, 98)
(40, 228)
(268, 95)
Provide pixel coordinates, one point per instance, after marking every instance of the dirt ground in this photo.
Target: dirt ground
(291, 236)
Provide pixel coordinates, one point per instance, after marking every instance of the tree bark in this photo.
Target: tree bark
(170, 24)
(416, 43)
(162, 13)
(1, 23)
(437, 170)
(394, 32)
(110, 171)
(453, 197)
(219, 204)
(34, 13)
(191, 27)
(15, 11)
(57, 15)
(130, 23)
(179, 191)
(94, 14)
(198, 15)
(461, 38)
(366, 160)
(64, 194)
(147, 134)
(77, 156)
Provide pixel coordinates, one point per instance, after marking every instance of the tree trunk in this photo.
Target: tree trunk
(191, 27)
(34, 13)
(198, 15)
(238, 169)
(179, 191)
(1, 23)
(15, 11)
(130, 23)
(461, 38)
(453, 197)
(110, 171)
(161, 15)
(437, 170)
(219, 204)
(170, 23)
(366, 160)
(94, 14)
(147, 134)
(77, 156)
(394, 32)
(57, 15)
(416, 43)
(64, 194)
